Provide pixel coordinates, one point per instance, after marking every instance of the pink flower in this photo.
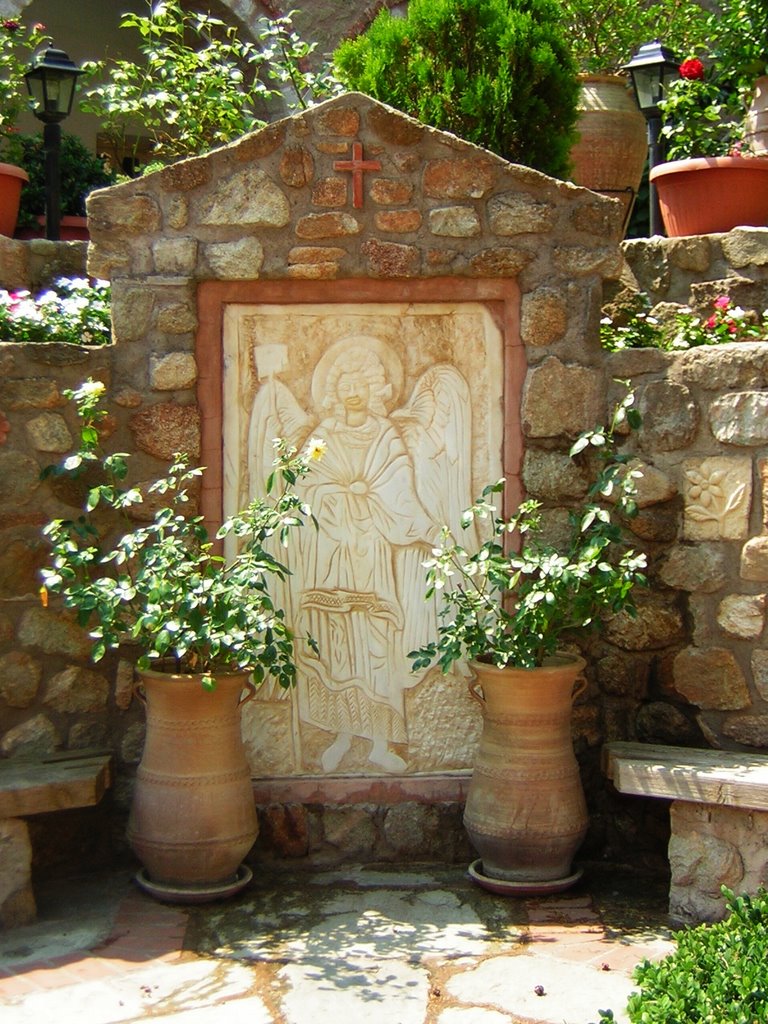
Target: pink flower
(11, 25)
(722, 302)
(38, 26)
(692, 69)
(732, 328)
(711, 322)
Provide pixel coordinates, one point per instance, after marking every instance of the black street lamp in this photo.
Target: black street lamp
(651, 69)
(51, 81)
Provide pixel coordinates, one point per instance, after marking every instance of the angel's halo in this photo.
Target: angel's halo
(389, 359)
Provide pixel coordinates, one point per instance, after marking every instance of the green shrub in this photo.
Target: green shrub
(81, 172)
(495, 72)
(717, 974)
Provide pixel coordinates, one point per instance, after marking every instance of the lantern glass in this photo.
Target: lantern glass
(651, 69)
(51, 83)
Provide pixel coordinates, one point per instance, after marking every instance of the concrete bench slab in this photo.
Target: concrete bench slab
(718, 819)
(56, 782)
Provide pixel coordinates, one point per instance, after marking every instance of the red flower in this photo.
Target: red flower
(711, 322)
(39, 26)
(11, 25)
(692, 68)
(732, 328)
(722, 302)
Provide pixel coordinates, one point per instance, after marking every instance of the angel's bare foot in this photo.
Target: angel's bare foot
(382, 756)
(331, 756)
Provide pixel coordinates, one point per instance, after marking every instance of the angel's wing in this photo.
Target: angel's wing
(436, 425)
(275, 413)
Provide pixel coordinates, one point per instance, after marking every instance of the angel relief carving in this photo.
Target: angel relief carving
(390, 478)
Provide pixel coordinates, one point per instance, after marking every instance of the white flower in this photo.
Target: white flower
(316, 448)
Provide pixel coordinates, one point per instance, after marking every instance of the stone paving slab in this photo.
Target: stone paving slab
(378, 946)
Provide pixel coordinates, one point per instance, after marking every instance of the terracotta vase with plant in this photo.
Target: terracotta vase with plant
(611, 150)
(510, 609)
(209, 633)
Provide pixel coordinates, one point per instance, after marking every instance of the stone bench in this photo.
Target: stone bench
(718, 818)
(56, 782)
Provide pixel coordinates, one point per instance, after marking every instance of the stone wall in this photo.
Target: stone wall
(37, 263)
(271, 219)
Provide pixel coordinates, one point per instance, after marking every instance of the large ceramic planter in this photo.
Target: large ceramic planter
(712, 194)
(71, 229)
(12, 179)
(757, 118)
(610, 154)
(193, 817)
(525, 813)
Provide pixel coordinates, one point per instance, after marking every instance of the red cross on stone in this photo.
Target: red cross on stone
(357, 165)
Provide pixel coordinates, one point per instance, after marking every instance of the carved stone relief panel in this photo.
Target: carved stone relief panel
(718, 496)
(408, 399)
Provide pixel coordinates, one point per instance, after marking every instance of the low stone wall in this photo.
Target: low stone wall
(34, 264)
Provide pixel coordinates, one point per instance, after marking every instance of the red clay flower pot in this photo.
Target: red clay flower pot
(11, 180)
(712, 194)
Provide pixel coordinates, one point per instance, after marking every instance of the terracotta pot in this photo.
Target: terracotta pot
(757, 118)
(525, 811)
(193, 817)
(610, 154)
(712, 194)
(11, 180)
(71, 229)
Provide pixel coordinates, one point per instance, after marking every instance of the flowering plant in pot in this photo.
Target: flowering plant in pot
(208, 629)
(509, 611)
(712, 181)
(17, 43)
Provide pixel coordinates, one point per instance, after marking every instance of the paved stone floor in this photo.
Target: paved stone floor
(384, 945)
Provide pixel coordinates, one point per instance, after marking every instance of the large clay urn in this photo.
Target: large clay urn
(610, 153)
(525, 813)
(193, 816)
(712, 194)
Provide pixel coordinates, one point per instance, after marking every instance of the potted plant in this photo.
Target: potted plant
(611, 151)
(712, 181)
(208, 631)
(80, 173)
(509, 610)
(16, 46)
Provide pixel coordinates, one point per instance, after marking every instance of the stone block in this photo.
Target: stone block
(22, 393)
(76, 690)
(17, 902)
(132, 309)
(390, 191)
(315, 254)
(458, 179)
(750, 730)
(20, 676)
(393, 127)
(338, 121)
(49, 432)
(297, 166)
(350, 829)
(391, 259)
(176, 371)
(561, 399)
(35, 736)
(186, 175)
(553, 476)
(53, 634)
(501, 261)
(19, 478)
(544, 317)
(113, 212)
(698, 567)
(745, 247)
(177, 318)
(232, 261)
(327, 225)
(163, 430)
(742, 615)
(654, 626)
(741, 418)
(246, 197)
(330, 192)
(175, 256)
(711, 678)
(513, 213)
(760, 672)
(454, 221)
(284, 828)
(399, 221)
(670, 416)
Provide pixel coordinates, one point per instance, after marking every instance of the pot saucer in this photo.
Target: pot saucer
(502, 887)
(194, 893)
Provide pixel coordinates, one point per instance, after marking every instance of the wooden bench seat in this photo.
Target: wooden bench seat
(718, 818)
(56, 782)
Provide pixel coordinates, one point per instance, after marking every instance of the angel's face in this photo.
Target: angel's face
(354, 391)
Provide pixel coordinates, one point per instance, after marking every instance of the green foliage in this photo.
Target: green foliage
(506, 606)
(604, 34)
(495, 72)
(701, 117)
(717, 974)
(726, 323)
(197, 85)
(75, 311)
(739, 30)
(17, 44)
(81, 173)
(162, 586)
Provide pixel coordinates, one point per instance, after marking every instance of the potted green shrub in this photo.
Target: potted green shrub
(208, 630)
(16, 46)
(509, 610)
(495, 72)
(81, 173)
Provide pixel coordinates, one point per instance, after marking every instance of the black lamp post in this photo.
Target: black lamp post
(651, 69)
(51, 81)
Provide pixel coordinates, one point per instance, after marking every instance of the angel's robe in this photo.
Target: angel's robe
(373, 532)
